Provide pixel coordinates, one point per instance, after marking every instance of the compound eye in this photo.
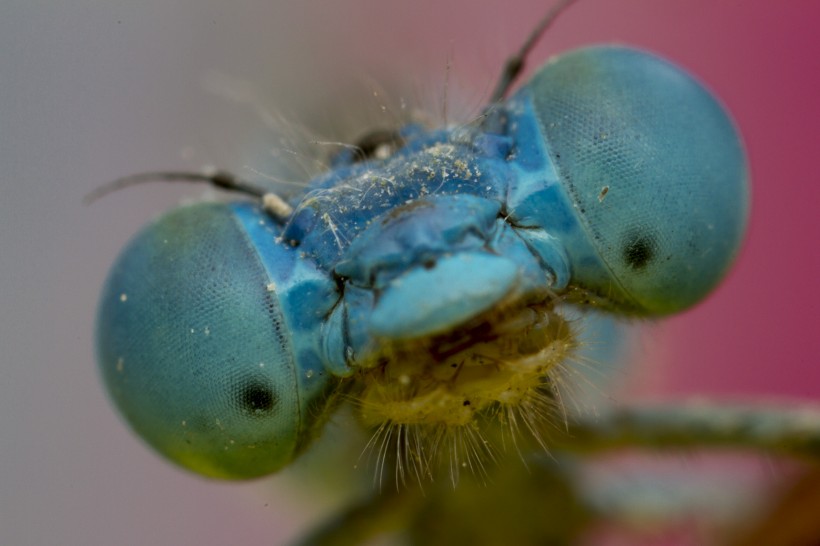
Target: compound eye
(194, 349)
(655, 171)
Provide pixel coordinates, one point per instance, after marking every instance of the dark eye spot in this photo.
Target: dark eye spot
(638, 250)
(257, 398)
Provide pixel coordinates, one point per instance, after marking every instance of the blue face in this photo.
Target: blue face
(654, 170)
(224, 335)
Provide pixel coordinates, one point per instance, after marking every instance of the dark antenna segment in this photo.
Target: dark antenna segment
(515, 64)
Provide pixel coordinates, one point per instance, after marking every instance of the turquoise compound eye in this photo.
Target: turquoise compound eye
(195, 349)
(655, 171)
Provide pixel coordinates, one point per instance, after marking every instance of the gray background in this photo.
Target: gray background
(90, 91)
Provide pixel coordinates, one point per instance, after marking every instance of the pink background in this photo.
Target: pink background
(90, 91)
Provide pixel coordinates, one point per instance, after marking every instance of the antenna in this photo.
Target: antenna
(515, 64)
(219, 179)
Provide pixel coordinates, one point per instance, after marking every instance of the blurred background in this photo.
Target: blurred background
(90, 91)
